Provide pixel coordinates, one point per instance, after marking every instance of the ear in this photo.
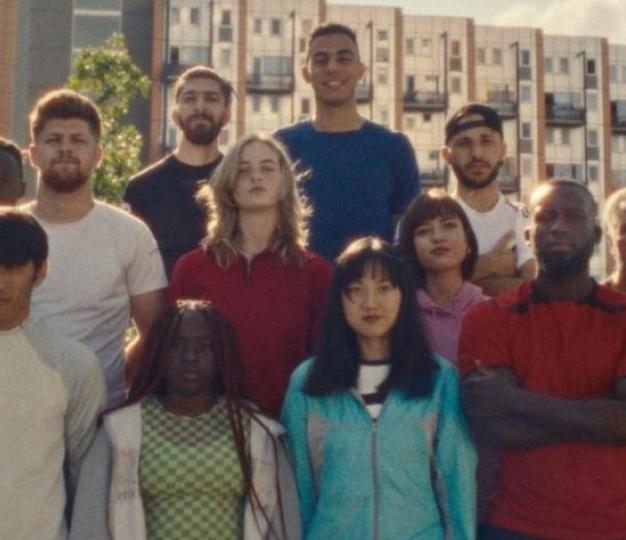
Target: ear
(40, 274)
(227, 114)
(306, 74)
(361, 70)
(175, 115)
(597, 234)
(99, 153)
(32, 154)
(446, 154)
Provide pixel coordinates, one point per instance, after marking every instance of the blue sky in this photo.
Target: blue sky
(603, 18)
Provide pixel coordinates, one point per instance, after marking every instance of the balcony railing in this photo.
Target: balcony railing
(183, 57)
(505, 105)
(364, 92)
(564, 115)
(270, 83)
(420, 100)
(433, 177)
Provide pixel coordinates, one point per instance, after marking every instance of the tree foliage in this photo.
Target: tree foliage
(108, 75)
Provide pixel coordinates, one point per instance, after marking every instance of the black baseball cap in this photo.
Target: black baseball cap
(458, 122)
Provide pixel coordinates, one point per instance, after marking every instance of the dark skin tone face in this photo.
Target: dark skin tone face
(564, 231)
(190, 375)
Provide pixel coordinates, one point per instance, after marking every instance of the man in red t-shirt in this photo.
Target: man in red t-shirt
(545, 382)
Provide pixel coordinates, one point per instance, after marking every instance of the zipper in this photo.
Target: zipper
(374, 447)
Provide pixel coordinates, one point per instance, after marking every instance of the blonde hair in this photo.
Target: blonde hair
(615, 204)
(290, 239)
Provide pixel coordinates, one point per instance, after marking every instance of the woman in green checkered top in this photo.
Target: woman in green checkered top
(187, 456)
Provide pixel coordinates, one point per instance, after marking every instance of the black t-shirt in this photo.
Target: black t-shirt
(163, 195)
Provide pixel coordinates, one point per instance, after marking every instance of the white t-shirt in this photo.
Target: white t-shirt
(491, 226)
(95, 265)
(51, 391)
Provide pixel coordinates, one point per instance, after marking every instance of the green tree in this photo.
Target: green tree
(108, 76)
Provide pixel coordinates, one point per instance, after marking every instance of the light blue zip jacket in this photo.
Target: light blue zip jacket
(410, 474)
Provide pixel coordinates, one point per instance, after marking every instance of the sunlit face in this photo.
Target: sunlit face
(190, 363)
(333, 69)
(201, 111)
(440, 244)
(66, 152)
(475, 155)
(258, 185)
(16, 285)
(371, 305)
(563, 231)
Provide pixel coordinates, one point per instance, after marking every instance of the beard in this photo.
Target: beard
(201, 133)
(557, 266)
(471, 183)
(66, 182)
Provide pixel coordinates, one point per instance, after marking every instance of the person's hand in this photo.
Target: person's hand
(488, 394)
(502, 260)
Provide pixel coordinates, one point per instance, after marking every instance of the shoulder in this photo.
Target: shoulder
(122, 221)
(314, 263)
(196, 258)
(300, 374)
(149, 173)
(611, 299)
(293, 131)
(380, 132)
(515, 207)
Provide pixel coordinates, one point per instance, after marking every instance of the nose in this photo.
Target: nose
(370, 299)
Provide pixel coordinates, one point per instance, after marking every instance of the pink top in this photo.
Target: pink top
(443, 324)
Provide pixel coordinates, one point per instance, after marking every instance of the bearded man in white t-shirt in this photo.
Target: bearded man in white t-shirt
(104, 264)
(475, 150)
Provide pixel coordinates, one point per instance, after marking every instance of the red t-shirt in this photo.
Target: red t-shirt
(276, 310)
(572, 350)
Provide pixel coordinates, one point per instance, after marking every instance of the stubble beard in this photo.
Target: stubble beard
(558, 266)
(66, 182)
(471, 183)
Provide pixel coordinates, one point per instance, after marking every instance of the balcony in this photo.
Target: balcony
(424, 101)
(182, 58)
(270, 83)
(565, 115)
(433, 177)
(505, 106)
(364, 92)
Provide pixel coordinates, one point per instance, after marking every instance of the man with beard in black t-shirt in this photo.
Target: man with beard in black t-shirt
(163, 194)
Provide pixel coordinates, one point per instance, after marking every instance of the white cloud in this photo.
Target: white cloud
(603, 18)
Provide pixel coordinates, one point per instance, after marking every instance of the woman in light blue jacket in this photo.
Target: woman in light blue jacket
(374, 423)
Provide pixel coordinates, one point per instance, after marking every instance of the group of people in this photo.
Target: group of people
(293, 372)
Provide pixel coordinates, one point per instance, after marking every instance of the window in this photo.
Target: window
(613, 70)
(480, 56)
(307, 24)
(592, 102)
(525, 57)
(410, 122)
(615, 146)
(591, 66)
(425, 46)
(258, 25)
(455, 85)
(305, 106)
(226, 17)
(550, 135)
(456, 64)
(175, 15)
(275, 26)
(382, 54)
(525, 96)
(194, 16)
(564, 66)
(256, 103)
(275, 104)
(526, 130)
(623, 73)
(225, 58)
(383, 35)
(496, 57)
(592, 137)
(455, 48)
(593, 173)
(426, 118)
(565, 136)
(174, 55)
(302, 47)
(383, 77)
(384, 117)
(527, 166)
(409, 46)
(547, 64)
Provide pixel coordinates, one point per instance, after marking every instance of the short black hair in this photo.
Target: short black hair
(22, 240)
(14, 151)
(332, 28)
(458, 122)
(434, 204)
(336, 367)
(563, 182)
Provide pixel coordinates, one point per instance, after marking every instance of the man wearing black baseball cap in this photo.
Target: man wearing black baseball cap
(475, 151)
